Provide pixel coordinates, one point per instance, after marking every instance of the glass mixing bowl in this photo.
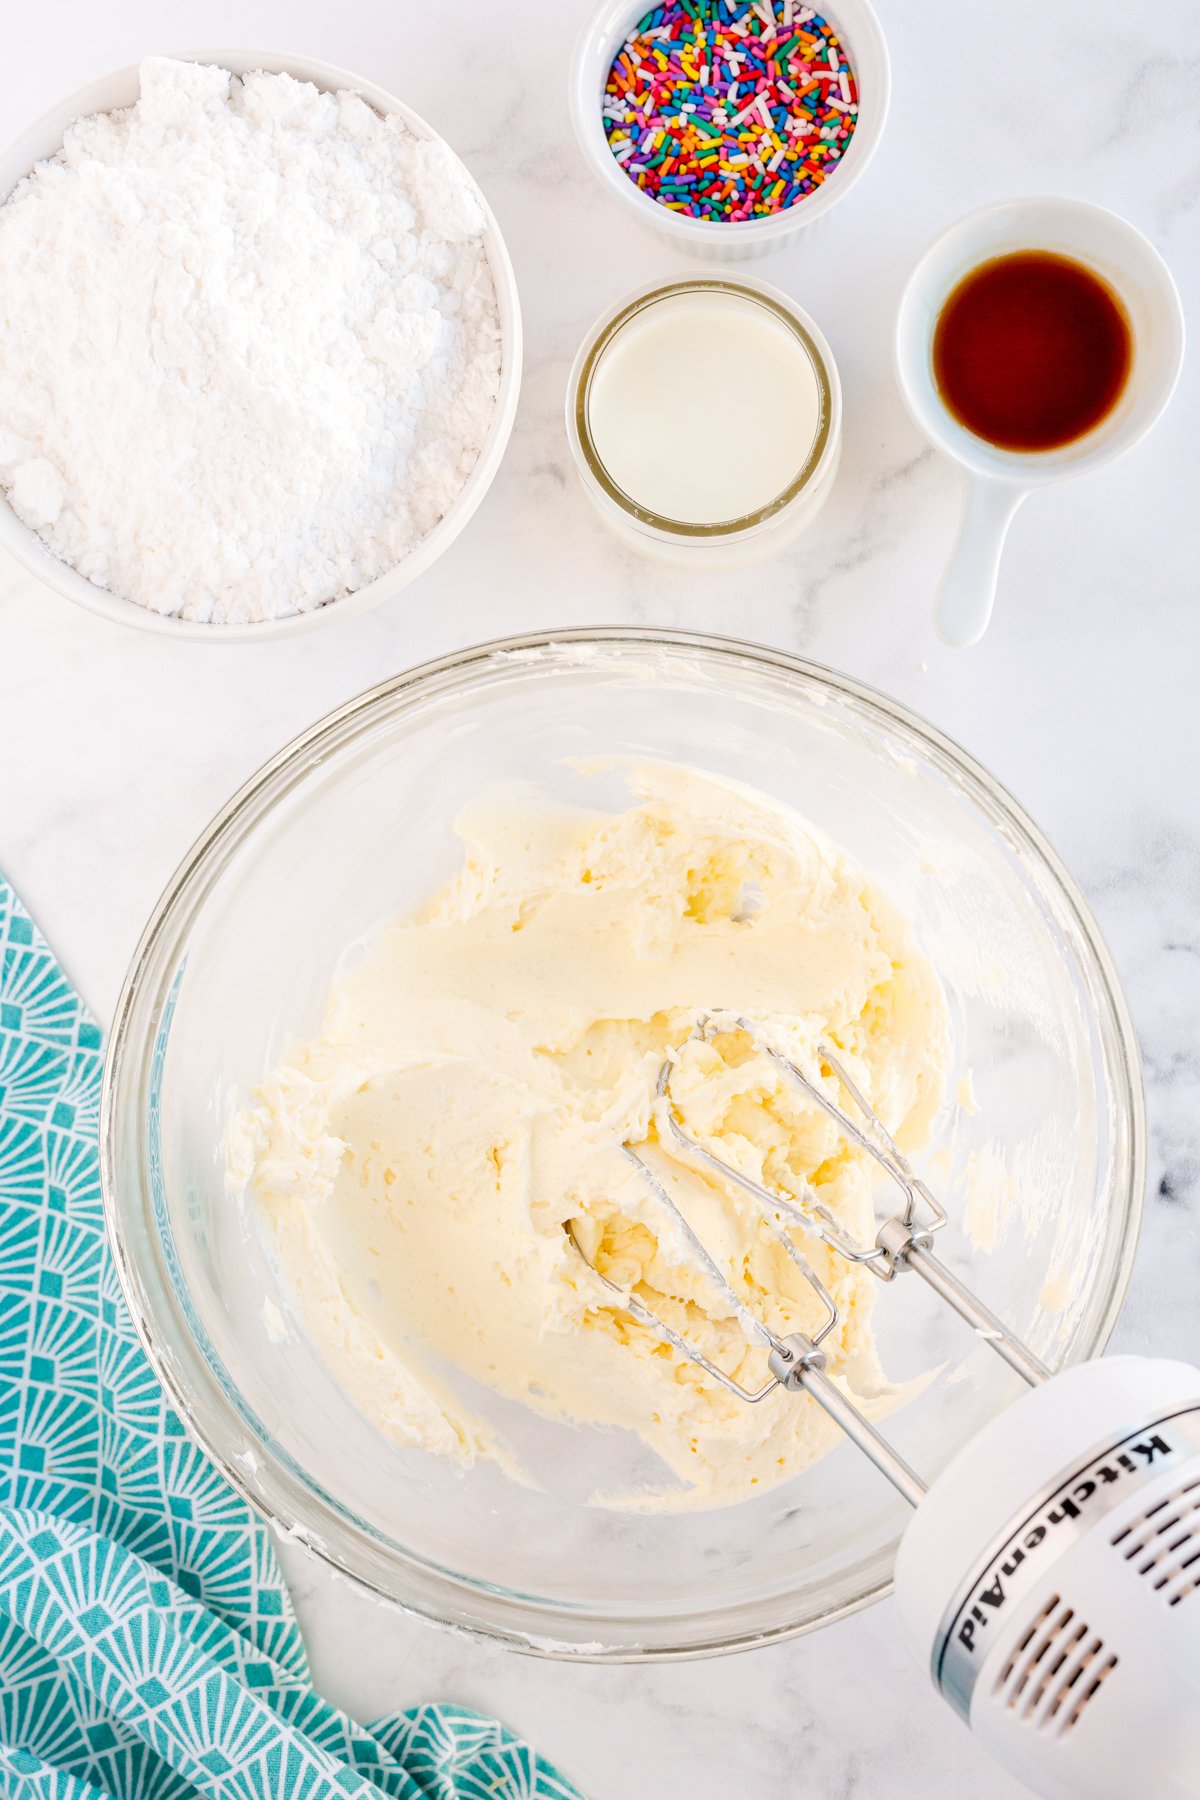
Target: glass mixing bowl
(353, 823)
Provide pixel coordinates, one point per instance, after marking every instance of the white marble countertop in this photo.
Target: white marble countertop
(116, 747)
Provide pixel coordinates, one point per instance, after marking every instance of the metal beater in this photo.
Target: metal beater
(903, 1242)
(1045, 1575)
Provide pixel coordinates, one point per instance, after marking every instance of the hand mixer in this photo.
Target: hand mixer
(1051, 1573)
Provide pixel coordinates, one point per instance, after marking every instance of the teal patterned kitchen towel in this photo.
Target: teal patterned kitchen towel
(148, 1649)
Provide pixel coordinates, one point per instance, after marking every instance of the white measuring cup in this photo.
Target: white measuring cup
(996, 481)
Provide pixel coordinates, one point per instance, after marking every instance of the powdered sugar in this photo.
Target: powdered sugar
(249, 344)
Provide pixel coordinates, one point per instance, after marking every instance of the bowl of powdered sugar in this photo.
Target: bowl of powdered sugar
(260, 346)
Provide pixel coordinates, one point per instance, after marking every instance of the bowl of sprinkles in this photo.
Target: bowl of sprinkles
(730, 123)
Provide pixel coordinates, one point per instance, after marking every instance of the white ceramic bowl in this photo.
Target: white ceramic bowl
(996, 481)
(599, 42)
(121, 89)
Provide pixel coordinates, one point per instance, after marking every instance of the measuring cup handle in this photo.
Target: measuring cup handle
(964, 601)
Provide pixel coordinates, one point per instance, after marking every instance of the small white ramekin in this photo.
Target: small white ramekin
(601, 39)
(740, 541)
(121, 89)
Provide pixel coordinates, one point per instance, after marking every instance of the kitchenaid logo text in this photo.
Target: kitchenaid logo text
(1122, 1473)
(1071, 1503)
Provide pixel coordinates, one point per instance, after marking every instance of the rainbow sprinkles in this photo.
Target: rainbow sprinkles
(730, 110)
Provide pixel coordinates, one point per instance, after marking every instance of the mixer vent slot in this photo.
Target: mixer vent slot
(1163, 1545)
(1056, 1670)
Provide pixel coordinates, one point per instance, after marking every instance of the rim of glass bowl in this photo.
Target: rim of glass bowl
(209, 1408)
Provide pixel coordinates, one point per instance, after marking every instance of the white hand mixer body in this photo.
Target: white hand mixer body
(1050, 1576)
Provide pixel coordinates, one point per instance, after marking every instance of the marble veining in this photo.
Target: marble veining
(116, 748)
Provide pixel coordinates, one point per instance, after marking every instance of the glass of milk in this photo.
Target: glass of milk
(705, 419)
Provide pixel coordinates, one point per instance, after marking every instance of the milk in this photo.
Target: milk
(704, 407)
